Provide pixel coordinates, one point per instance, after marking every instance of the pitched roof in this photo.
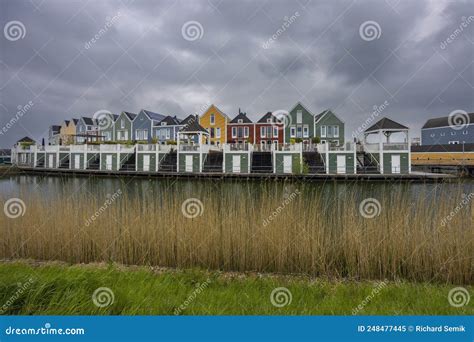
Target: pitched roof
(55, 128)
(192, 125)
(385, 123)
(75, 121)
(88, 121)
(170, 121)
(444, 121)
(267, 116)
(327, 111)
(220, 111)
(131, 116)
(189, 118)
(153, 116)
(241, 116)
(66, 122)
(26, 139)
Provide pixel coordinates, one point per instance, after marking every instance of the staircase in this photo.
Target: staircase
(314, 161)
(213, 162)
(262, 162)
(64, 162)
(169, 162)
(128, 163)
(366, 163)
(94, 164)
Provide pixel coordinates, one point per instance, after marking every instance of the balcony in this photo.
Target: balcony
(236, 147)
(189, 147)
(395, 147)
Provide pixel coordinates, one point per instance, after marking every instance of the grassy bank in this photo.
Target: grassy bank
(260, 227)
(59, 289)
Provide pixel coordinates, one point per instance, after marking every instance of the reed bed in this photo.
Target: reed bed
(291, 230)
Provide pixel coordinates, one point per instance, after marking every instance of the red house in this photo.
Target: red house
(269, 130)
(240, 130)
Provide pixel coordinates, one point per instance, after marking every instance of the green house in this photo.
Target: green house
(329, 128)
(300, 124)
(123, 126)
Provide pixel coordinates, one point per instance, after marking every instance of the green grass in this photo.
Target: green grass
(58, 289)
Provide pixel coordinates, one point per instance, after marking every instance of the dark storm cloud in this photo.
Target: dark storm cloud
(80, 57)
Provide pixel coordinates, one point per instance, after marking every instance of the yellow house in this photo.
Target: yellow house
(68, 131)
(215, 122)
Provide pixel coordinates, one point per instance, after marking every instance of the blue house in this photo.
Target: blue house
(143, 125)
(438, 131)
(167, 129)
(86, 130)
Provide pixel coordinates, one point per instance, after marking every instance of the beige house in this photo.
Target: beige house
(68, 131)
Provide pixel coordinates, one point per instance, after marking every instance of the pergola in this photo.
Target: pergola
(385, 127)
(192, 129)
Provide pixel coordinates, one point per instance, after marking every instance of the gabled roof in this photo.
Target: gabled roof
(26, 139)
(193, 126)
(67, 122)
(75, 121)
(443, 121)
(220, 111)
(130, 116)
(241, 116)
(189, 118)
(152, 115)
(267, 116)
(318, 117)
(55, 128)
(170, 121)
(386, 123)
(302, 105)
(88, 121)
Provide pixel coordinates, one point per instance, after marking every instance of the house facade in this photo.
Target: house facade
(269, 130)
(438, 131)
(106, 126)
(241, 130)
(300, 124)
(54, 136)
(68, 131)
(123, 126)
(329, 128)
(86, 130)
(215, 122)
(167, 129)
(143, 125)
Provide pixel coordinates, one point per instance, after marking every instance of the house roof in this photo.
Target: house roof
(318, 117)
(131, 116)
(153, 116)
(88, 121)
(189, 118)
(443, 121)
(220, 111)
(67, 122)
(302, 105)
(241, 116)
(267, 116)
(26, 139)
(55, 128)
(170, 121)
(444, 148)
(386, 123)
(193, 126)
(75, 121)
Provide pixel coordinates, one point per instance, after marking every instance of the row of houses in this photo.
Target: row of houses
(299, 124)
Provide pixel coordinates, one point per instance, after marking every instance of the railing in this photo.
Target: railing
(264, 148)
(371, 148)
(189, 147)
(147, 147)
(236, 147)
(395, 146)
(347, 147)
(289, 147)
(93, 147)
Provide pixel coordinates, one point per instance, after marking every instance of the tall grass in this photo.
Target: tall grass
(309, 234)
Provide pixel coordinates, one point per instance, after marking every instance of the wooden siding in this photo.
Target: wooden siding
(349, 162)
(244, 162)
(295, 162)
(307, 120)
(140, 159)
(251, 128)
(442, 158)
(330, 120)
(259, 138)
(182, 161)
(220, 122)
(387, 162)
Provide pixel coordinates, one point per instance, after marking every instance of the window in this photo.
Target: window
(275, 132)
(218, 132)
(292, 132)
(122, 123)
(240, 120)
(213, 119)
(299, 116)
(269, 131)
(464, 132)
(330, 131)
(240, 132)
(246, 132)
(453, 142)
(305, 131)
(453, 133)
(212, 132)
(269, 120)
(442, 134)
(163, 124)
(262, 132)
(323, 131)
(168, 134)
(141, 134)
(234, 132)
(89, 128)
(299, 131)
(432, 135)
(336, 131)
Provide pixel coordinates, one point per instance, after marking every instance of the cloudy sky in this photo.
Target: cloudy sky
(63, 59)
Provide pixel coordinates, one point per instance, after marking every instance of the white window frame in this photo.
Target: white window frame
(292, 132)
(240, 121)
(212, 119)
(168, 134)
(323, 131)
(263, 132)
(336, 131)
(218, 132)
(305, 131)
(122, 123)
(275, 131)
(299, 116)
(234, 132)
(246, 132)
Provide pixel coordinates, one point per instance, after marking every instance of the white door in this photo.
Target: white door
(51, 161)
(108, 162)
(341, 164)
(125, 135)
(396, 164)
(287, 164)
(77, 162)
(189, 164)
(146, 163)
(236, 164)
